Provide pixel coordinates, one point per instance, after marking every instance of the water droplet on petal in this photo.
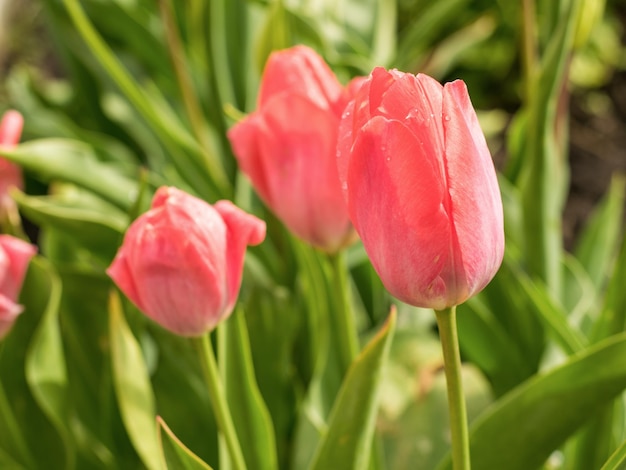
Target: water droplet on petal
(446, 117)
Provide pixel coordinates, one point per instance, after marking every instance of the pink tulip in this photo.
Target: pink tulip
(421, 188)
(10, 173)
(287, 147)
(15, 256)
(181, 262)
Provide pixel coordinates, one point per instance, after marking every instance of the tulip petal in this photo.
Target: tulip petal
(120, 271)
(299, 70)
(473, 188)
(404, 225)
(288, 152)
(10, 174)
(16, 258)
(243, 229)
(11, 128)
(9, 311)
(198, 289)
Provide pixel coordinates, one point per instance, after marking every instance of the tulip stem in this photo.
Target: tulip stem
(344, 326)
(218, 401)
(446, 321)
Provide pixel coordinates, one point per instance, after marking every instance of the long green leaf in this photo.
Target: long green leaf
(45, 363)
(553, 317)
(175, 455)
(96, 231)
(599, 241)
(617, 461)
(132, 387)
(74, 162)
(250, 415)
(543, 181)
(347, 443)
(33, 427)
(522, 429)
(612, 319)
(487, 344)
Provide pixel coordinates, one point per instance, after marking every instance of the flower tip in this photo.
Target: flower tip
(11, 128)
(240, 221)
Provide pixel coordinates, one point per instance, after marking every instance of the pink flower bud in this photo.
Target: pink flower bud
(421, 188)
(15, 256)
(287, 146)
(181, 262)
(10, 173)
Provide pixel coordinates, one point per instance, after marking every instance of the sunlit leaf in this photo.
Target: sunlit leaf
(347, 442)
(547, 409)
(250, 415)
(45, 364)
(133, 387)
(175, 455)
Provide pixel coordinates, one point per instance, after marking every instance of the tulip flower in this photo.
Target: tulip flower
(10, 173)
(421, 188)
(181, 262)
(287, 146)
(15, 256)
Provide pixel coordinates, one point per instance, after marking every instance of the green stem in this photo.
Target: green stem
(446, 321)
(342, 316)
(218, 401)
(529, 48)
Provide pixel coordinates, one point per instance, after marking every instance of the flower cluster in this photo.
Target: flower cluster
(397, 156)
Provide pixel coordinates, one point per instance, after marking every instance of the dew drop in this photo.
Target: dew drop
(446, 117)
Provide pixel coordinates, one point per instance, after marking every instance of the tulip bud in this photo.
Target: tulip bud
(15, 256)
(181, 262)
(10, 173)
(287, 146)
(421, 188)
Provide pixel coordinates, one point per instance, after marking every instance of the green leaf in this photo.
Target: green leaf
(521, 430)
(250, 415)
(612, 319)
(413, 422)
(421, 32)
(553, 316)
(29, 435)
(273, 320)
(175, 455)
(319, 361)
(347, 442)
(132, 386)
(599, 241)
(384, 39)
(74, 162)
(45, 362)
(86, 345)
(98, 232)
(617, 461)
(487, 344)
(542, 179)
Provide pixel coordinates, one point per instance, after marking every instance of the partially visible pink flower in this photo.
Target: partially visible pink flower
(15, 256)
(181, 262)
(287, 146)
(10, 173)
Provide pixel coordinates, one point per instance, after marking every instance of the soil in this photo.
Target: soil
(597, 151)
